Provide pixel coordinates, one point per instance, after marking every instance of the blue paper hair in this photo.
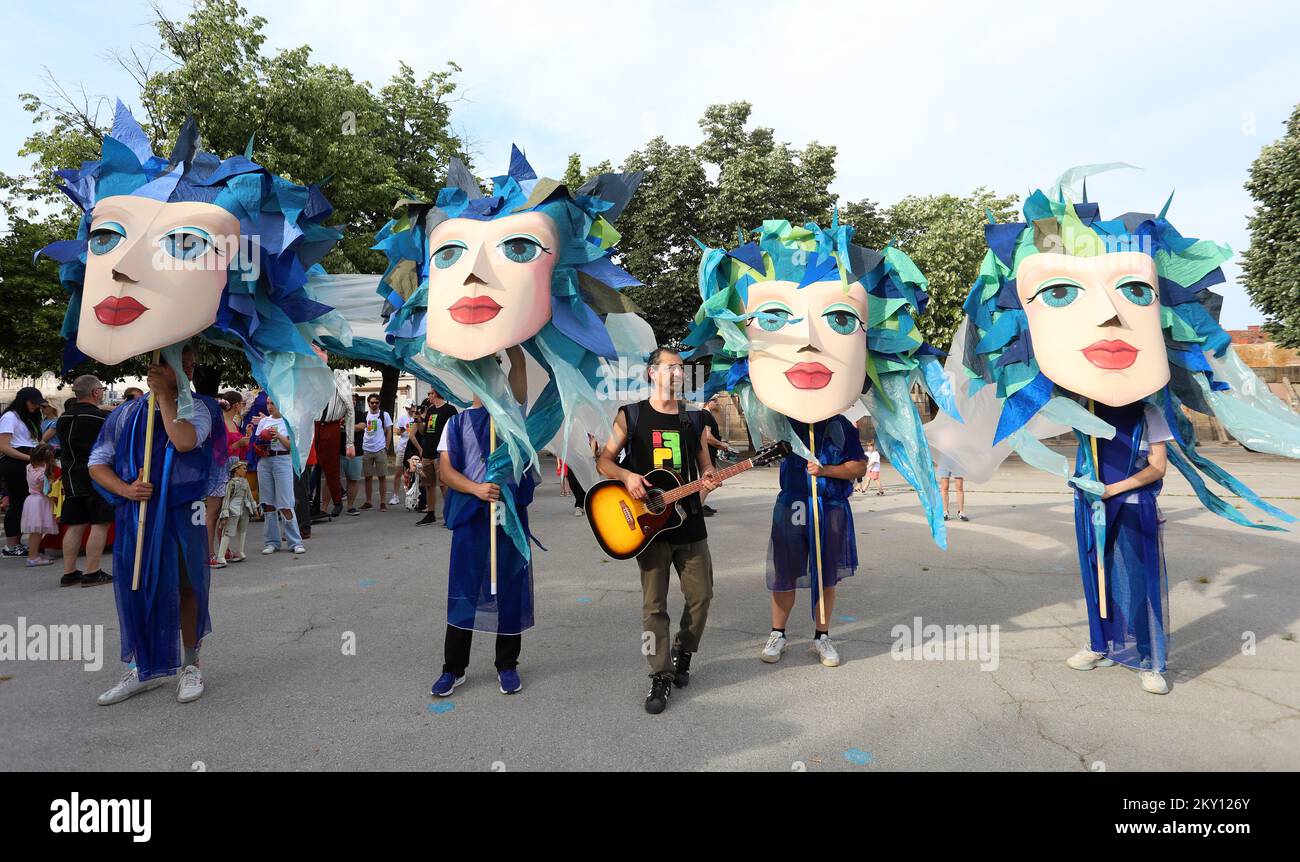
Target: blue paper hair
(1206, 376)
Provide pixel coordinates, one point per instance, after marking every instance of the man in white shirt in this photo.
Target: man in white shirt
(377, 437)
(401, 443)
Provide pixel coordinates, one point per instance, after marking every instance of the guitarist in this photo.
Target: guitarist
(660, 433)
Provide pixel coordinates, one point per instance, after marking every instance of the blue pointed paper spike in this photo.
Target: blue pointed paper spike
(1085, 189)
(128, 132)
(519, 167)
(1165, 209)
(248, 150)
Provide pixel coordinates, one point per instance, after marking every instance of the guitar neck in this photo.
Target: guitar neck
(686, 490)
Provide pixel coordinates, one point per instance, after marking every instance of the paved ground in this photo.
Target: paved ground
(282, 695)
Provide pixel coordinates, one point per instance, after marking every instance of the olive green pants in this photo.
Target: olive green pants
(695, 573)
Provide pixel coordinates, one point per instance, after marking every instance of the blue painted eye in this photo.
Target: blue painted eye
(105, 238)
(1058, 295)
(187, 243)
(448, 254)
(521, 248)
(774, 318)
(1137, 292)
(843, 320)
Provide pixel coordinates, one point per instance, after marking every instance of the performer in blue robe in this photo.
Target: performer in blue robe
(471, 604)
(1134, 630)
(171, 605)
(791, 553)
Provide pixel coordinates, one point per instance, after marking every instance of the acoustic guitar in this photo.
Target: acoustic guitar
(624, 526)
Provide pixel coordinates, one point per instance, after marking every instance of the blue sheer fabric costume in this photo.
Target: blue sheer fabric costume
(1135, 629)
(791, 553)
(176, 543)
(470, 603)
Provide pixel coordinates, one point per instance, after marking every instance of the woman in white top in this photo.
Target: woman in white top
(19, 427)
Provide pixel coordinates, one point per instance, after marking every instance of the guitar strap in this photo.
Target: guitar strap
(689, 467)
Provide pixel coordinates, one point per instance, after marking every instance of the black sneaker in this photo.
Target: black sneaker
(681, 669)
(661, 686)
(429, 518)
(709, 511)
(337, 510)
(70, 580)
(19, 550)
(354, 511)
(94, 579)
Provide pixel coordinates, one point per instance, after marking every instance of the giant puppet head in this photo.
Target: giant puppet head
(1070, 307)
(193, 244)
(529, 264)
(804, 324)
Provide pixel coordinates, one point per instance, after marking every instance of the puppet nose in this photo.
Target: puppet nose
(1105, 312)
(482, 272)
(134, 263)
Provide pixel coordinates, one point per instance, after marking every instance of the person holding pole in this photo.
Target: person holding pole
(164, 621)
(489, 584)
(801, 324)
(166, 249)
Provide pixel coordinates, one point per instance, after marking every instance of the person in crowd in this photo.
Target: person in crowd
(49, 426)
(83, 506)
(38, 512)
(353, 468)
(236, 508)
(713, 439)
(19, 430)
(275, 479)
(331, 439)
(437, 414)
(376, 438)
(401, 439)
(873, 470)
(949, 474)
(131, 393)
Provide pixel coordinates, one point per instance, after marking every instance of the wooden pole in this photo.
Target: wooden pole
(1098, 538)
(492, 509)
(817, 534)
(144, 474)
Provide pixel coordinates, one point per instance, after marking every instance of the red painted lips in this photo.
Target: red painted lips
(809, 375)
(476, 309)
(1111, 355)
(118, 311)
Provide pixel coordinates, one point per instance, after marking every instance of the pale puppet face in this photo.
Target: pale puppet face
(1095, 324)
(813, 369)
(489, 283)
(154, 274)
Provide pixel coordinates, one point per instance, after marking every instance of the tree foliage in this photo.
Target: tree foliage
(1271, 266)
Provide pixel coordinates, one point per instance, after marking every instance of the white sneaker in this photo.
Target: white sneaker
(826, 652)
(190, 686)
(270, 549)
(577, 513)
(1086, 659)
(128, 686)
(393, 501)
(299, 549)
(772, 650)
(1153, 682)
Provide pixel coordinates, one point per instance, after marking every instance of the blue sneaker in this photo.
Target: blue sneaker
(446, 684)
(509, 681)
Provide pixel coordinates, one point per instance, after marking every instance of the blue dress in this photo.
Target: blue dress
(792, 558)
(470, 603)
(1135, 629)
(176, 542)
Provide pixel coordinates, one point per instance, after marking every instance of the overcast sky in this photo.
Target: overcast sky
(918, 97)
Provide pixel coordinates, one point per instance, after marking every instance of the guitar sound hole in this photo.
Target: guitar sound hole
(654, 501)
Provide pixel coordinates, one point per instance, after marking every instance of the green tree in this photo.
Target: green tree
(732, 180)
(307, 121)
(1271, 266)
(944, 235)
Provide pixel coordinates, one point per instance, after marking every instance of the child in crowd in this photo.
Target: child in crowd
(235, 513)
(38, 513)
